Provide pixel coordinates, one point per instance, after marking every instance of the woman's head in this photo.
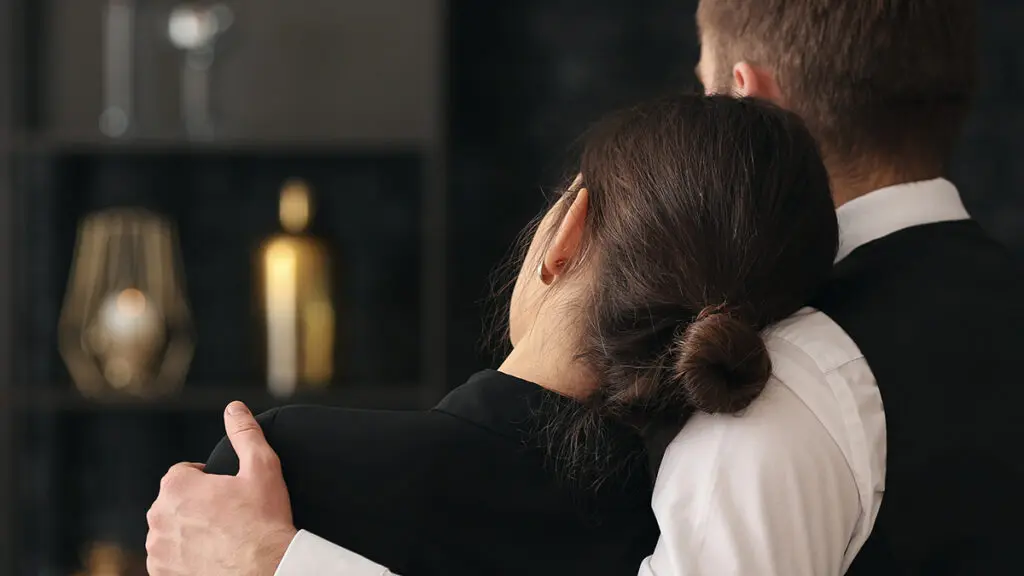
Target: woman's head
(694, 223)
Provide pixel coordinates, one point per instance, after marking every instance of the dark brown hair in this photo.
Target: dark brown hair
(882, 81)
(709, 219)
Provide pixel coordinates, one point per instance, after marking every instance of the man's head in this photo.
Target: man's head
(884, 85)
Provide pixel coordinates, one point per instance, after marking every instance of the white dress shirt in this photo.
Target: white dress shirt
(793, 485)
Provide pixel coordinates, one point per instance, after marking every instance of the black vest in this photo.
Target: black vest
(938, 311)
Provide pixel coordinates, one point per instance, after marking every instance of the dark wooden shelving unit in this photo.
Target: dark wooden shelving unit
(50, 65)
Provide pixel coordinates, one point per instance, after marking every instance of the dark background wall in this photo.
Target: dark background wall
(527, 78)
(990, 165)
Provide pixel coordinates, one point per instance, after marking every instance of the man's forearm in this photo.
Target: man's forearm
(310, 554)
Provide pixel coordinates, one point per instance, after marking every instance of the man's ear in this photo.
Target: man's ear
(755, 82)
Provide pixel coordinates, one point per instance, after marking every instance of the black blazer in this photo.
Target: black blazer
(464, 488)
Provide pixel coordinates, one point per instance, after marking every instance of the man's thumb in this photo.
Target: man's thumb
(247, 439)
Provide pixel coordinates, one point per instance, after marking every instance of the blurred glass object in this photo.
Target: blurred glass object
(125, 326)
(118, 52)
(104, 559)
(297, 307)
(194, 29)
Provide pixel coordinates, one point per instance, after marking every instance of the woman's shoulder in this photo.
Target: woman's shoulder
(319, 429)
(310, 435)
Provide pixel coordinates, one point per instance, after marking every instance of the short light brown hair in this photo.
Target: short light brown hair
(875, 80)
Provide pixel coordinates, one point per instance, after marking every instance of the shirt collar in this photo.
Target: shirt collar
(891, 209)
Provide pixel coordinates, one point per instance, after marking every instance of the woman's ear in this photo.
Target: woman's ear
(569, 238)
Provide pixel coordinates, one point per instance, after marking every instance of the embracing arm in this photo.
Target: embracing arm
(307, 553)
(768, 493)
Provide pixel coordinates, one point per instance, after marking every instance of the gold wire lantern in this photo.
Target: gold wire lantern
(125, 327)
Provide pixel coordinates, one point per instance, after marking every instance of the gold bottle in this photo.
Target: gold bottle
(296, 300)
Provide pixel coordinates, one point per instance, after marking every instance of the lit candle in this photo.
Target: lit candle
(127, 315)
(127, 331)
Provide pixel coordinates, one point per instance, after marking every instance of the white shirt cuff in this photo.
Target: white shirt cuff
(309, 554)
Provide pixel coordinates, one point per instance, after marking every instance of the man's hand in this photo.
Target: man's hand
(209, 525)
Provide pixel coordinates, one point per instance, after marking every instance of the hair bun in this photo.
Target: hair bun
(721, 362)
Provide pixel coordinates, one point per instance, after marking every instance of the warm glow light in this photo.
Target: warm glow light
(127, 316)
(131, 303)
(127, 326)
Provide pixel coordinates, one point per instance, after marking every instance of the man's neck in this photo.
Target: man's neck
(849, 184)
(844, 191)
